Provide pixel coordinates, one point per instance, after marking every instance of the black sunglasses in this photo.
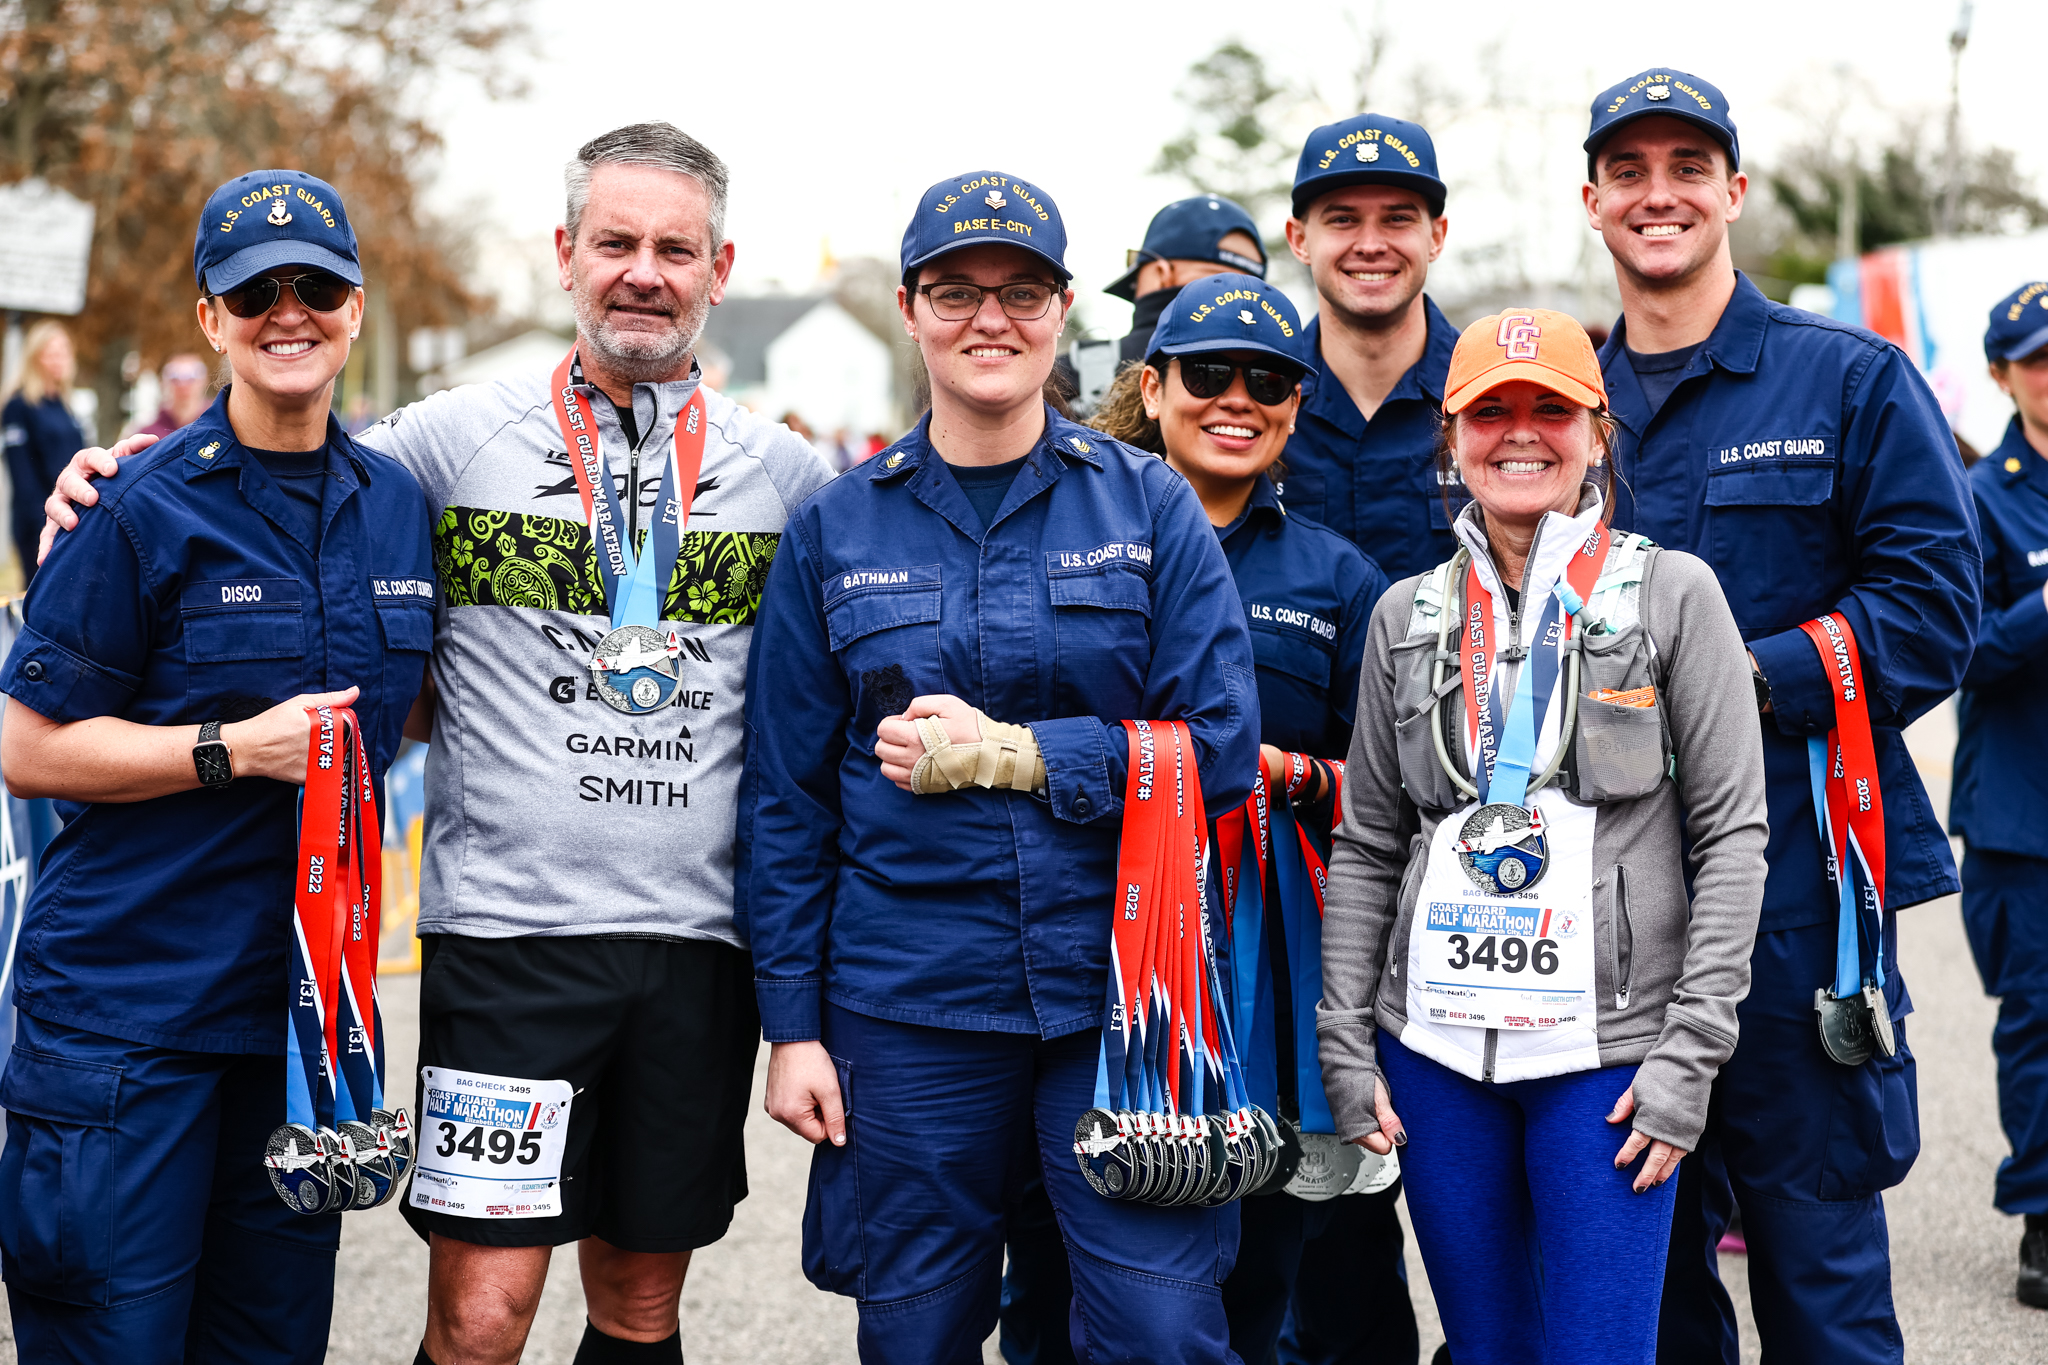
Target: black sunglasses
(1267, 386)
(318, 290)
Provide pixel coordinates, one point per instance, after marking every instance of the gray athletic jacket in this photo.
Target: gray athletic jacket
(1670, 972)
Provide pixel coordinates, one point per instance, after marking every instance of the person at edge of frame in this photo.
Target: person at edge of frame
(1368, 218)
(37, 429)
(1308, 595)
(236, 574)
(1999, 803)
(1809, 463)
(1185, 241)
(932, 982)
(576, 918)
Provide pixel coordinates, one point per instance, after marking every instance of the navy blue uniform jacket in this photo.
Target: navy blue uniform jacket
(1808, 462)
(1375, 483)
(2001, 775)
(182, 598)
(1098, 594)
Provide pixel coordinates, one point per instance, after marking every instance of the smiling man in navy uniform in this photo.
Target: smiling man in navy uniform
(1368, 220)
(1808, 462)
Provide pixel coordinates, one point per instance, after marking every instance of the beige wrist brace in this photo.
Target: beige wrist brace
(1006, 757)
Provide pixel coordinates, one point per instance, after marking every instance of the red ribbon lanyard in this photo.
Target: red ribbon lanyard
(322, 885)
(593, 483)
(1855, 802)
(363, 858)
(1478, 644)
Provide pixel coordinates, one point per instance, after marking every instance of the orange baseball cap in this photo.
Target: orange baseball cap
(1535, 344)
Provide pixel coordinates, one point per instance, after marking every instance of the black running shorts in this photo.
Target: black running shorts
(657, 1038)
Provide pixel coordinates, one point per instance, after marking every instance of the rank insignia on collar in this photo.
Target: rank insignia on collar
(2012, 464)
(995, 199)
(209, 450)
(1657, 92)
(279, 214)
(1244, 315)
(893, 460)
(1368, 151)
(1080, 446)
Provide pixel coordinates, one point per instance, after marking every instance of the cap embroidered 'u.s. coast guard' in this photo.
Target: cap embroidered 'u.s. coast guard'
(980, 208)
(2019, 324)
(265, 219)
(1668, 91)
(1367, 149)
(1232, 312)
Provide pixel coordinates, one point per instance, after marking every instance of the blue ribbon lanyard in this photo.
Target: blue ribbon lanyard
(1504, 770)
(1848, 944)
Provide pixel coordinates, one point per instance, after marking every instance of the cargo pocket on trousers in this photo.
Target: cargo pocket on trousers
(834, 1260)
(57, 1177)
(1874, 1131)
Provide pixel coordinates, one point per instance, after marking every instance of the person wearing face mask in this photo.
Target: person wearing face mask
(950, 642)
(1545, 886)
(254, 565)
(2002, 736)
(1810, 464)
(37, 429)
(604, 531)
(184, 381)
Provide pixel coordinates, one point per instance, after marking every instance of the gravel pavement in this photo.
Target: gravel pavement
(747, 1300)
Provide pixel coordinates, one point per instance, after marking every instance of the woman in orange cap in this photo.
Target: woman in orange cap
(1522, 991)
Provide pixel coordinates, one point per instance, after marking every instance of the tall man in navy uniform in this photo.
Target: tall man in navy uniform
(1368, 220)
(1808, 462)
(1188, 240)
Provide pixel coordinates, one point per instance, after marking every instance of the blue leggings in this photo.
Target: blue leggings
(1537, 1249)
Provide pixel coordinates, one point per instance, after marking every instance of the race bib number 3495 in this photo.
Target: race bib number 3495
(490, 1146)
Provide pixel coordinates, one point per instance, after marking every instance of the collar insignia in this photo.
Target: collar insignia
(211, 448)
(893, 460)
(2012, 464)
(1080, 446)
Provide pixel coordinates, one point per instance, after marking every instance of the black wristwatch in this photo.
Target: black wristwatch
(1762, 685)
(212, 757)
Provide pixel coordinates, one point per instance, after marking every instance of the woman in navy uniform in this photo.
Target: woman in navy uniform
(251, 565)
(931, 968)
(38, 430)
(2000, 805)
(1218, 396)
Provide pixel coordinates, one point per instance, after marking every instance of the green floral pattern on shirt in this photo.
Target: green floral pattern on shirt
(518, 559)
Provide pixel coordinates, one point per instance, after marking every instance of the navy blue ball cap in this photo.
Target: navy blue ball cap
(1668, 91)
(2019, 324)
(1232, 312)
(265, 219)
(1367, 149)
(980, 208)
(1193, 230)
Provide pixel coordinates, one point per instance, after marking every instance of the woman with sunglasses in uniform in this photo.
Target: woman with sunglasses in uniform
(1217, 396)
(1547, 880)
(251, 565)
(932, 967)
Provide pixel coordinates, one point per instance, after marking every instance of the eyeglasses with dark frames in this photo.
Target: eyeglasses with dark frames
(1020, 300)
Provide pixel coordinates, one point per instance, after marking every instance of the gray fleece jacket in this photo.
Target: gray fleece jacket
(1670, 969)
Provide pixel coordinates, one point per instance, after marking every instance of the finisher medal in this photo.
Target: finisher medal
(1502, 848)
(637, 667)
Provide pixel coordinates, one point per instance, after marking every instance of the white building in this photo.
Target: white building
(807, 355)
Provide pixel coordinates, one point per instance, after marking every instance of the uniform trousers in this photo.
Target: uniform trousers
(1316, 1283)
(945, 1128)
(2005, 912)
(137, 1223)
(1805, 1146)
(1538, 1251)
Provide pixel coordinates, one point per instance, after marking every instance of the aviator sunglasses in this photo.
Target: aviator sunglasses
(1268, 387)
(317, 289)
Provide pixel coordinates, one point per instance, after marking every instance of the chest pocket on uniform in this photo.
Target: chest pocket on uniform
(405, 612)
(884, 626)
(1292, 652)
(245, 642)
(1102, 627)
(1771, 516)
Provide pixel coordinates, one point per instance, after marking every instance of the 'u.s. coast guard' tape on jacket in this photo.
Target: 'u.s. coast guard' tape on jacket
(547, 811)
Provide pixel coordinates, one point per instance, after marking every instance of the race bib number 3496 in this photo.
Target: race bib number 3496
(490, 1146)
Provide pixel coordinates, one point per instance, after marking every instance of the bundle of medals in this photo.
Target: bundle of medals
(1274, 874)
(1172, 1123)
(339, 1148)
(1852, 1014)
(636, 667)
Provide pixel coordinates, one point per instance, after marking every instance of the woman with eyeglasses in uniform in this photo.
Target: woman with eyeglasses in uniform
(932, 967)
(251, 565)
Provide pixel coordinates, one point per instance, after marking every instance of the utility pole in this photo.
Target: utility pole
(1952, 193)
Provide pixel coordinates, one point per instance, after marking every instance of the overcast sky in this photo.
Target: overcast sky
(834, 118)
